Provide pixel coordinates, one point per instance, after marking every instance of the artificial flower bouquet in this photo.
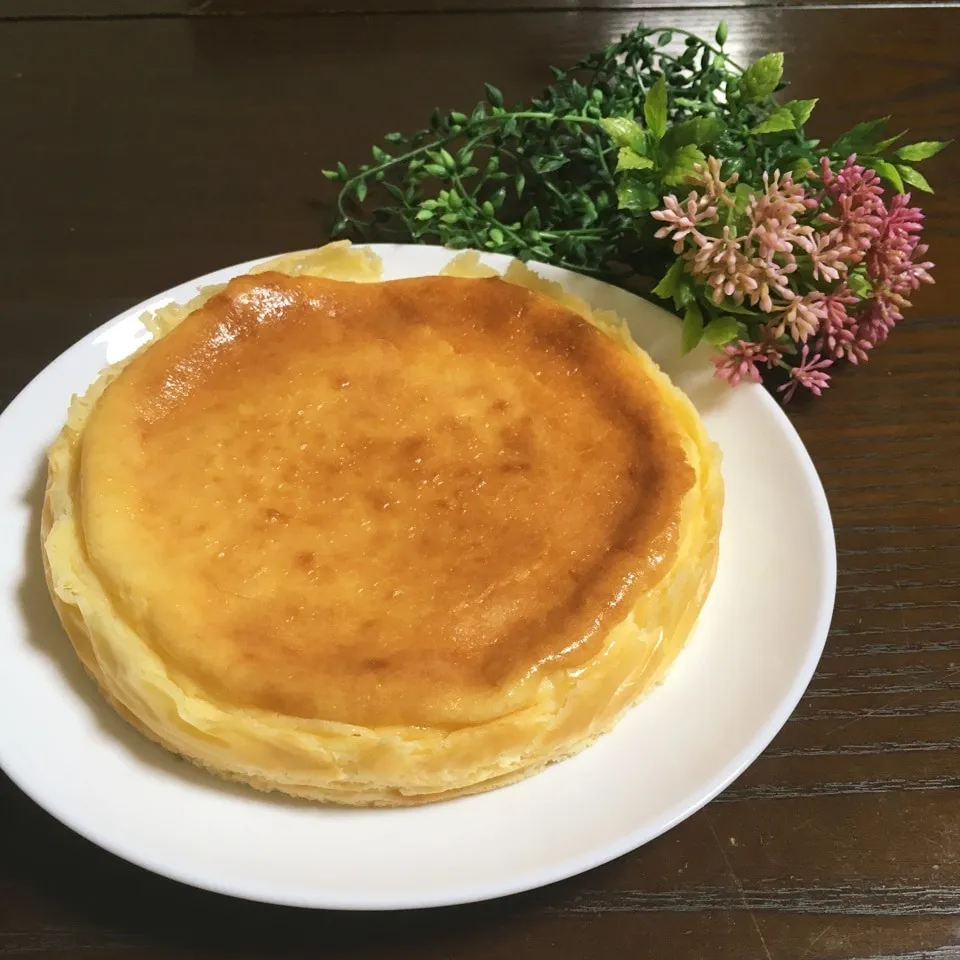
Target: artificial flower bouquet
(680, 175)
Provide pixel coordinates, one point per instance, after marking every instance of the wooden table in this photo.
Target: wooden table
(148, 141)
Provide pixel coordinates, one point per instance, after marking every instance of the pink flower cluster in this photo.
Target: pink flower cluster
(793, 256)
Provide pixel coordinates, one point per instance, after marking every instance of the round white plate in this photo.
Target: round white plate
(756, 646)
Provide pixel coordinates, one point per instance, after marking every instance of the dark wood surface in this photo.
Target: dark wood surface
(93, 9)
(147, 143)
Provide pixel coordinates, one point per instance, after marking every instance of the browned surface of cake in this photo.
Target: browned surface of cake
(382, 503)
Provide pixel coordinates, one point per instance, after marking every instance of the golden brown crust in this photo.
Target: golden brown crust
(560, 686)
(379, 503)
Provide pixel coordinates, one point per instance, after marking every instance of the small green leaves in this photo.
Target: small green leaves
(396, 137)
(721, 330)
(636, 197)
(801, 168)
(700, 131)
(692, 328)
(923, 150)
(858, 283)
(628, 159)
(625, 133)
(800, 110)
(741, 197)
(531, 219)
(360, 190)
(859, 139)
(761, 78)
(731, 306)
(494, 95)
(519, 182)
(548, 164)
(889, 173)
(781, 119)
(331, 174)
(883, 145)
(682, 163)
(914, 178)
(655, 108)
(588, 215)
(676, 284)
(721, 34)
(668, 283)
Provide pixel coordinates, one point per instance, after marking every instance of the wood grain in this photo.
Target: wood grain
(107, 9)
(141, 150)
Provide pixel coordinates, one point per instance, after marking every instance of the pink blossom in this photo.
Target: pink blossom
(682, 221)
(856, 227)
(883, 311)
(844, 222)
(861, 186)
(782, 190)
(770, 344)
(891, 257)
(773, 217)
(828, 254)
(857, 209)
(808, 373)
(841, 334)
(895, 265)
(772, 237)
(913, 274)
(771, 279)
(708, 175)
(739, 360)
(802, 316)
(721, 264)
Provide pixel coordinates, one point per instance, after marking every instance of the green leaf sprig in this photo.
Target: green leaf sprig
(571, 176)
(539, 180)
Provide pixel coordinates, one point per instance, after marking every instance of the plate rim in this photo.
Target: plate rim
(558, 870)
